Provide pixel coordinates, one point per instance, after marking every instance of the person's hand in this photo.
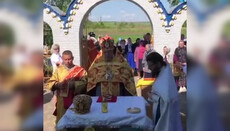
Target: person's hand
(58, 63)
(100, 41)
(60, 85)
(184, 64)
(71, 84)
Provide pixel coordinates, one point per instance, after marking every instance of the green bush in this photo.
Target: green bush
(47, 69)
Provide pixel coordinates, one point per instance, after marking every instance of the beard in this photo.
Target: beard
(108, 56)
(155, 70)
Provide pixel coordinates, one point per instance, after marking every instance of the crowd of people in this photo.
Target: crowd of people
(112, 68)
(136, 53)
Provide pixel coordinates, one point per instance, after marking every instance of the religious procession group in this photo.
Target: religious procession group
(111, 73)
(136, 54)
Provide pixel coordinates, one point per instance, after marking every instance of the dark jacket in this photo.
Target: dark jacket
(133, 49)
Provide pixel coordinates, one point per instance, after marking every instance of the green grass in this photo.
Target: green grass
(122, 30)
(119, 29)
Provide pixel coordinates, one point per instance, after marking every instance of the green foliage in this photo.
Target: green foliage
(47, 37)
(102, 25)
(121, 25)
(184, 29)
(185, 24)
(63, 4)
(174, 2)
(47, 69)
(6, 35)
(132, 25)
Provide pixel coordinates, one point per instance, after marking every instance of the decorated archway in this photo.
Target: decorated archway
(67, 28)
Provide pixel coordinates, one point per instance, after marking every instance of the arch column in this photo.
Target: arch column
(171, 39)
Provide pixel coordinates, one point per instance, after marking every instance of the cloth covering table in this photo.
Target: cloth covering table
(116, 117)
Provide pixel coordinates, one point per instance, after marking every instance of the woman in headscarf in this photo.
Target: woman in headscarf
(180, 61)
(166, 51)
(55, 58)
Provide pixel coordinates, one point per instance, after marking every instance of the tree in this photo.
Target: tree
(102, 24)
(185, 24)
(61, 4)
(48, 37)
(174, 2)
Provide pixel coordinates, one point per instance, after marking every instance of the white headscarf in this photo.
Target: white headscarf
(54, 46)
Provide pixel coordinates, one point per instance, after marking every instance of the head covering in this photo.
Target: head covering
(107, 43)
(202, 102)
(92, 34)
(150, 47)
(168, 50)
(54, 47)
(166, 102)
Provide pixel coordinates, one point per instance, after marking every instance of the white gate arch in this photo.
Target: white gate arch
(67, 29)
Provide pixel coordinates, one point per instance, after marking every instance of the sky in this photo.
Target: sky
(120, 10)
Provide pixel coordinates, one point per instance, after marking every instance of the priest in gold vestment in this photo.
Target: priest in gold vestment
(68, 80)
(110, 74)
